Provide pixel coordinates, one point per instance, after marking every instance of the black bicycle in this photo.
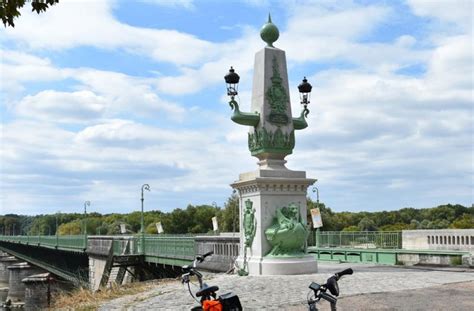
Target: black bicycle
(207, 294)
(319, 291)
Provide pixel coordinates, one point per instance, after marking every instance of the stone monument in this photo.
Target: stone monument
(273, 228)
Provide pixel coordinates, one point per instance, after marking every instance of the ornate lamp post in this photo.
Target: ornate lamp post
(273, 194)
(142, 220)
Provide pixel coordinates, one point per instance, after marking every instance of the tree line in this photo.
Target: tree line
(197, 219)
(446, 216)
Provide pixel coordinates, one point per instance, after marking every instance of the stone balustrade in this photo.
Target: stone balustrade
(439, 239)
(225, 248)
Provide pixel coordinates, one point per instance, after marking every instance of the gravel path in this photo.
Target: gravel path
(290, 292)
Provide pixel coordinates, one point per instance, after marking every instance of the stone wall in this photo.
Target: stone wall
(441, 239)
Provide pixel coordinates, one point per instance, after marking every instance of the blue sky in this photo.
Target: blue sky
(99, 97)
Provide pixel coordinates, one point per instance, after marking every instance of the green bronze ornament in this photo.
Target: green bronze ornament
(243, 118)
(277, 98)
(287, 235)
(250, 223)
(300, 122)
(269, 32)
(261, 141)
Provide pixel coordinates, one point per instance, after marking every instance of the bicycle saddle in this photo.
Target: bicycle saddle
(207, 290)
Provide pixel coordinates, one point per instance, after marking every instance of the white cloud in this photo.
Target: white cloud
(18, 68)
(187, 4)
(98, 93)
(309, 22)
(78, 23)
(81, 106)
(127, 94)
(454, 11)
(117, 155)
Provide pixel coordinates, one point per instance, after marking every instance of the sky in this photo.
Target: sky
(100, 97)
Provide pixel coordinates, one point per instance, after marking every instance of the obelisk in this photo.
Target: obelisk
(273, 228)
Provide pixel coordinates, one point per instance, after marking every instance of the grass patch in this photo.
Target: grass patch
(86, 300)
(456, 261)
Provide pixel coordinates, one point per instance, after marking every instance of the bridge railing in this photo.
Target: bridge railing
(182, 247)
(65, 242)
(359, 239)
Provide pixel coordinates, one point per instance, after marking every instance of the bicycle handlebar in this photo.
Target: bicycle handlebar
(343, 272)
(328, 297)
(200, 258)
(207, 254)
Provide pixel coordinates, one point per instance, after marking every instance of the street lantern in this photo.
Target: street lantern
(232, 81)
(142, 223)
(86, 204)
(142, 220)
(305, 92)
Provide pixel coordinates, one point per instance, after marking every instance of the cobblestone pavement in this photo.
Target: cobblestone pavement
(290, 292)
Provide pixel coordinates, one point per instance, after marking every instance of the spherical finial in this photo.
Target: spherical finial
(269, 32)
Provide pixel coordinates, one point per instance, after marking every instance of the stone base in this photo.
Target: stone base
(281, 266)
(3, 294)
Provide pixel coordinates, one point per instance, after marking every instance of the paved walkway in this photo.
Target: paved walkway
(290, 292)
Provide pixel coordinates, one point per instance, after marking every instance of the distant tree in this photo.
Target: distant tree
(466, 221)
(426, 224)
(351, 228)
(414, 224)
(70, 228)
(10, 9)
(367, 224)
(230, 213)
(395, 227)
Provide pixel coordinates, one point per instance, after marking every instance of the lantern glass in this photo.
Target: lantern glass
(232, 89)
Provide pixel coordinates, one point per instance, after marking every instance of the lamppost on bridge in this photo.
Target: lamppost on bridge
(57, 229)
(233, 214)
(86, 204)
(142, 220)
(315, 189)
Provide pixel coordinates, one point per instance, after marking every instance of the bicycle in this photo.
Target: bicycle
(208, 297)
(319, 291)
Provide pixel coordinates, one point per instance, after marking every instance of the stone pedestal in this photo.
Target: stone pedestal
(269, 188)
(38, 289)
(5, 261)
(4, 273)
(16, 288)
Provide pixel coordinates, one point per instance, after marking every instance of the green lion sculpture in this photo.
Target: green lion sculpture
(288, 234)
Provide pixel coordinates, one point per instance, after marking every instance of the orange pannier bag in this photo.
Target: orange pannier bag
(212, 305)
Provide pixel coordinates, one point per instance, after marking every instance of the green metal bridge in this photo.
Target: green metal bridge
(160, 249)
(67, 256)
